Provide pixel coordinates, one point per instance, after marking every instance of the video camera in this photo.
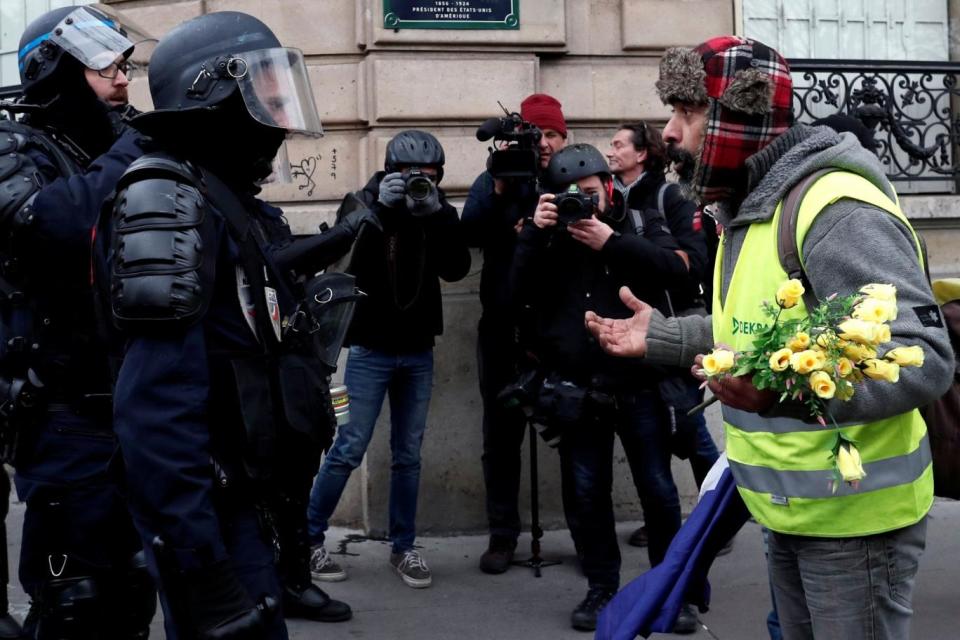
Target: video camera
(573, 205)
(521, 158)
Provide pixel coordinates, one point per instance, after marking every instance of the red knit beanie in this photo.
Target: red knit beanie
(544, 111)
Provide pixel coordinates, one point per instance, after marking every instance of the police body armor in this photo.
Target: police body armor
(164, 226)
(22, 349)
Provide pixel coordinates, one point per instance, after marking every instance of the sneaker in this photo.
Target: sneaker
(412, 568)
(639, 537)
(323, 567)
(687, 621)
(498, 556)
(584, 617)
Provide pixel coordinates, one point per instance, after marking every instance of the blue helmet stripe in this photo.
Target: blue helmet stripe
(30, 46)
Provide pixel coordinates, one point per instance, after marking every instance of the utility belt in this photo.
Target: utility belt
(98, 406)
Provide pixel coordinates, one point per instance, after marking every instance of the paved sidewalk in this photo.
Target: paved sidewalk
(465, 604)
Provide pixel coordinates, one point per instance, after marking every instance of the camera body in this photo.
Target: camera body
(573, 205)
(418, 185)
(521, 158)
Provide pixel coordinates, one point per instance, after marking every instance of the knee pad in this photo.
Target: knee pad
(69, 608)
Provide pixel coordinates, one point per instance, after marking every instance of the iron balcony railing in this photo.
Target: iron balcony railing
(912, 108)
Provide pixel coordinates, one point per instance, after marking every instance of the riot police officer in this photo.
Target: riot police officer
(218, 389)
(80, 560)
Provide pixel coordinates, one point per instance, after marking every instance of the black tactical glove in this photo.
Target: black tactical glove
(120, 118)
(355, 219)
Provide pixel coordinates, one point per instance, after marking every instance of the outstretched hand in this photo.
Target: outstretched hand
(625, 337)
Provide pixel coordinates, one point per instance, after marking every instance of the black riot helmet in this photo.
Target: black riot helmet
(201, 63)
(576, 162)
(84, 34)
(414, 148)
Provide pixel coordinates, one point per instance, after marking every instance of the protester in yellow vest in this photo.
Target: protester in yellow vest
(842, 562)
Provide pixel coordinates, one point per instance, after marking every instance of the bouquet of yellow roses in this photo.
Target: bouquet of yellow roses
(823, 356)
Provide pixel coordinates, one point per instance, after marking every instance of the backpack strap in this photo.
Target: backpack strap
(661, 198)
(787, 248)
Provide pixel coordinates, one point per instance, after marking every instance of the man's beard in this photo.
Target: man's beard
(683, 162)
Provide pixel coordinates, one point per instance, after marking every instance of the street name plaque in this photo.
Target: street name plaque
(451, 14)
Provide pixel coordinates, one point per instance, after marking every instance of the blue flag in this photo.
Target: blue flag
(652, 602)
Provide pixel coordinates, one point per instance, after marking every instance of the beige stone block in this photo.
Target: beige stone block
(657, 24)
(159, 17)
(465, 87)
(338, 89)
(594, 27)
(306, 217)
(604, 89)
(139, 93)
(323, 169)
(316, 27)
(542, 26)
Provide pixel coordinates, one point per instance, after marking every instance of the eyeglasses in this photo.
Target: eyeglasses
(115, 68)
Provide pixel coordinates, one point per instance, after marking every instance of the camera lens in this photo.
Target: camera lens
(419, 188)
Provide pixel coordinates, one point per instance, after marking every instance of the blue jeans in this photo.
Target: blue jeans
(846, 588)
(586, 465)
(370, 375)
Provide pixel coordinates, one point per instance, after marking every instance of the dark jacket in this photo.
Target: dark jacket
(489, 223)
(558, 279)
(680, 213)
(399, 269)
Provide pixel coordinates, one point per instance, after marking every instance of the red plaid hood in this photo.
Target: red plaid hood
(747, 88)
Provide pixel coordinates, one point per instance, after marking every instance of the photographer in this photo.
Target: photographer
(391, 339)
(575, 255)
(491, 215)
(637, 157)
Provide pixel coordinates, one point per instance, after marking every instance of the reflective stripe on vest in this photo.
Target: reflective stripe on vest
(783, 466)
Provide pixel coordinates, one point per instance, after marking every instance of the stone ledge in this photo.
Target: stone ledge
(935, 207)
(656, 24)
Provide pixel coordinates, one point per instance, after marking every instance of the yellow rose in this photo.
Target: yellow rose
(822, 384)
(859, 331)
(780, 360)
(844, 367)
(880, 291)
(906, 356)
(875, 310)
(859, 352)
(799, 342)
(805, 361)
(717, 362)
(849, 463)
(789, 293)
(881, 370)
(883, 334)
(826, 339)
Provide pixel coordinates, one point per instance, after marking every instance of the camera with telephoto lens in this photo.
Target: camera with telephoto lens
(573, 205)
(520, 159)
(418, 185)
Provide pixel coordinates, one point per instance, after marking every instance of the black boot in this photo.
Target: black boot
(499, 555)
(9, 628)
(312, 603)
(584, 617)
(687, 621)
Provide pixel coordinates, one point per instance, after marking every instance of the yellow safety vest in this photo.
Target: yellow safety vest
(783, 466)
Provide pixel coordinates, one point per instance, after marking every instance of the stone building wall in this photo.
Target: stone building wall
(598, 57)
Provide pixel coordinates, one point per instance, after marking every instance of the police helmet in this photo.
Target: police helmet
(414, 148)
(202, 62)
(87, 34)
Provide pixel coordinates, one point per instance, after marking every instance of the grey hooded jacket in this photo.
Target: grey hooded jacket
(850, 244)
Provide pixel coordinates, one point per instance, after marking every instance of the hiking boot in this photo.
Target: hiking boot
(498, 556)
(412, 569)
(312, 603)
(687, 621)
(323, 567)
(639, 537)
(584, 617)
(9, 627)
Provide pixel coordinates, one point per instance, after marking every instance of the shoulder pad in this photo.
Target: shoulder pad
(19, 179)
(162, 242)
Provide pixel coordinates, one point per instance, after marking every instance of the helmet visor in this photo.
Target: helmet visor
(93, 40)
(276, 89)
